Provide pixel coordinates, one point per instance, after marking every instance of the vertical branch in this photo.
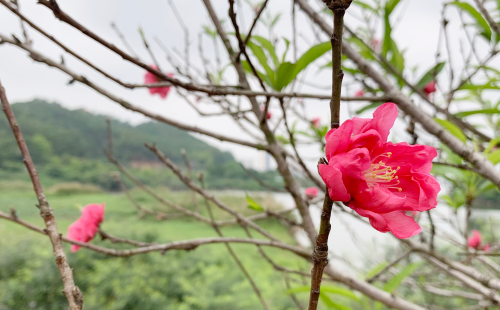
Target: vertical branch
(72, 292)
(338, 8)
(320, 254)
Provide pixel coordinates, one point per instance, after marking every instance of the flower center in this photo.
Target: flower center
(380, 173)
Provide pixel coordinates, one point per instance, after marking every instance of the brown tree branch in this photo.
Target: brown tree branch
(320, 254)
(188, 182)
(72, 292)
(127, 105)
(176, 245)
(274, 147)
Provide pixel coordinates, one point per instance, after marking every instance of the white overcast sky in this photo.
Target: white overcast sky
(417, 33)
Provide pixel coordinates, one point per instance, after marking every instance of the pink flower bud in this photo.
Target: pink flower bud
(311, 192)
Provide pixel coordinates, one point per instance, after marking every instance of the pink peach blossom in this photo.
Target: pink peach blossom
(379, 179)
(486, 247)
(375, 44)
(85, 228)
(316, 122)
(150, 78)
(359, 93)
(269, 114)
(430, 88)
(475, 240)
(311, 192)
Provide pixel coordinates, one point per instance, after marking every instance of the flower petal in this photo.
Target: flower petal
(333, 180)
(399, 224)
(418, 156)
(383, 120)
(378, 199)
(337, 140)
(366, 140)
(352, 165)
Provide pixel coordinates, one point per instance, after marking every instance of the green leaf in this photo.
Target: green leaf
(452, 128)
(269, 47)
(284, 75)
(494, 157)
(473, 112)
(491, 84)
(311, 55)
(261, 56)
(376, 269)
(264, 77)
(252, 204)
(331, 304)
(338, 290)
(430, 75)
(481, 22)
(397, 59)
(395, 281)
(366, 6)
(283, 140)
(389, 8)
(287, 43)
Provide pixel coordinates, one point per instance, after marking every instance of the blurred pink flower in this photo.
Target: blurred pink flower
(379, 179)
(486, 247)
(375, 44)
(430, 88)
(359, 93)
(85, 228)
(311, 192)
(316, 122)
(475, 240)
(269, 114)
(150, 78)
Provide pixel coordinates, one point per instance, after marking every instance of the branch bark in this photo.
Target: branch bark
(320, 254)
(72, 292)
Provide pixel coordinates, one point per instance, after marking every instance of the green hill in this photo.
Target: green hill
(68, 146)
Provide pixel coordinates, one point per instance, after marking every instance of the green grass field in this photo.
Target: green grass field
(205, 278)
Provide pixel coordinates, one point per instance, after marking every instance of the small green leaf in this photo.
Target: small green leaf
(376, 270)
(283, 140)
(252, 204)
(284, 75)
(396, 281)
(338, 290)
(269, 47)
(389, 8)
(261, 56)
(331, 304)
(452, 128)
(473, 112)
(311, 55)
(494, 157)
(366, 6)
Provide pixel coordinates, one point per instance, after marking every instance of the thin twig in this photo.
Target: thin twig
(176, 245)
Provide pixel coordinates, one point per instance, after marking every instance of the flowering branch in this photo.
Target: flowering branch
(72, 292)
